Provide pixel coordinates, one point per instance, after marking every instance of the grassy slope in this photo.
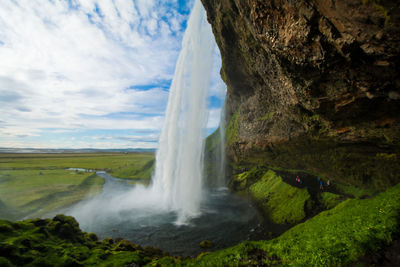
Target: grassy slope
(280, 201)
(20, 187)
(334, 237)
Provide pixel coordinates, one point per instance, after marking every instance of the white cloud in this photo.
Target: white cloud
(69, 65)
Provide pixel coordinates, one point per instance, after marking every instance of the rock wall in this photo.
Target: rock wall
(312, 85)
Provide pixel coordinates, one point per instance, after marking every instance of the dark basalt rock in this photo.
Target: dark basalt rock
(312, 85)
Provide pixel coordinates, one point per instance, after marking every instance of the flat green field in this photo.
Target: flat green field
(33, 185)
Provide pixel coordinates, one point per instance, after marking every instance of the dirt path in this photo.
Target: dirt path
(309, 181)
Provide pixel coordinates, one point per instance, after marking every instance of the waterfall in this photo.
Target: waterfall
(221, 177)
(179, 158)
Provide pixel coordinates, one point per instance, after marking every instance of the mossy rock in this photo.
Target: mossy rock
(206, 244)
(125, 245)
(282, 203)
(60, 242)
(92, 237)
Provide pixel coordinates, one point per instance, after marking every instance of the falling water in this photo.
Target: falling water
(178, 173)
(221, 181)
(149, 215)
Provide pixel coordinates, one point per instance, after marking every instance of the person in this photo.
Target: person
(321, 185)
(327, 183)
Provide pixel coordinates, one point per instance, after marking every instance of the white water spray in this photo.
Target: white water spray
(178, 173)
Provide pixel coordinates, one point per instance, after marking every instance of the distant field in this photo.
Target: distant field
(35, 184)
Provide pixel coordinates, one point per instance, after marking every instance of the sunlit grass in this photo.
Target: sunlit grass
(35, 184)
(334, 237)
(122, 165)
(19, 187)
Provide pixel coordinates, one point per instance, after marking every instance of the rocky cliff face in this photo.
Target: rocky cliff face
(312, 85)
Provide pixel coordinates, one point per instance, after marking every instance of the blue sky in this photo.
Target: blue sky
(90, 74)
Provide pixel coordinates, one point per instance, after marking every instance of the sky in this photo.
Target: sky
(91, 73)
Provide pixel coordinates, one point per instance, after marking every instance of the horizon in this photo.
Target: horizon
(91, 74)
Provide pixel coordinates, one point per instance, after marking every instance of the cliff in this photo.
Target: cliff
(312, 86)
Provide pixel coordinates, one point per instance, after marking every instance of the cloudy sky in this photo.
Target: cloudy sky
(90, 73)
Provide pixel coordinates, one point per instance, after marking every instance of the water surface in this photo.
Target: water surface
(225, 219)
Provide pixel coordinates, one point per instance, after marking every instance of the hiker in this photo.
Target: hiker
(321, 185)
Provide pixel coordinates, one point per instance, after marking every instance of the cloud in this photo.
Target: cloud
(73, 65)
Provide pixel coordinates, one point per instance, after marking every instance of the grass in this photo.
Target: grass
(330, 200)
(34, 193)
(281, 202)
(354, 190)
(121, 165)
(336, 237)
(60, 242)
(19, 187)
(36, 184)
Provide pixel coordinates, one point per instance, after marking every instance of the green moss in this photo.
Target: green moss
(240, 181)
(354, 190)
(232, 131)
(378, 5)
(330, 200)
(267, 116)
(387, 156)
(60, 242)
(335, 237)
(280, 201)
(243, 180)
